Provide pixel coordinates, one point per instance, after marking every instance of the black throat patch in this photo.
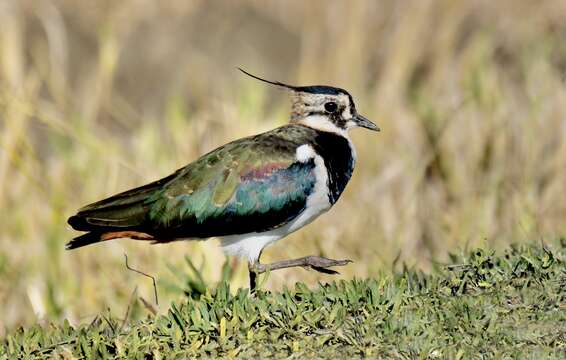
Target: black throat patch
(338, 159)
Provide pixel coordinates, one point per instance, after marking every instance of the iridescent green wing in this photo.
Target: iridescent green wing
(253, 184)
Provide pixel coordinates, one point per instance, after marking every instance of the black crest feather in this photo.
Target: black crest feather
(276, 83)
(313, 89)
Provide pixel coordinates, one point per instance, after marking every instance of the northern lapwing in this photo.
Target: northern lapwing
(250, 192)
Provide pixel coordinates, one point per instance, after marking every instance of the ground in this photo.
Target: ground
(485, 305)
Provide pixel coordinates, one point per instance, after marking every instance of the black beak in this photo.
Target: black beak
(365, 123)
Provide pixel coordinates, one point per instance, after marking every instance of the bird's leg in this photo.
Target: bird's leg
(253, 276)
(252, 268)
(318, 263)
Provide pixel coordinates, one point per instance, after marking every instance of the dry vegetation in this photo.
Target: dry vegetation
(99, 96)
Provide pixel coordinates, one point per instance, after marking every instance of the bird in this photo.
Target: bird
(250, 192)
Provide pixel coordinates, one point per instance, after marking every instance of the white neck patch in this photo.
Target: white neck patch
(305, 153)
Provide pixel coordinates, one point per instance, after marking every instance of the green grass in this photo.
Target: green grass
(509, 305)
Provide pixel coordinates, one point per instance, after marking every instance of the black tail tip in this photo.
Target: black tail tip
(77, 223)
(83, 240)
(71, 245)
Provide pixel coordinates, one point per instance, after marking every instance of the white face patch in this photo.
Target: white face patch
(347, 113)
(323, 123)
(305, 103)
(312, 110)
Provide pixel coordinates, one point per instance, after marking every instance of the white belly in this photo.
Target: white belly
(249, 246)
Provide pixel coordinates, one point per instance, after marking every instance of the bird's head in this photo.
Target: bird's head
(322, 107)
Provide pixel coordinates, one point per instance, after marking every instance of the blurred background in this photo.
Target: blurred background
(100, 96)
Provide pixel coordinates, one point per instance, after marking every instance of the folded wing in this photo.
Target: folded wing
(245, 186)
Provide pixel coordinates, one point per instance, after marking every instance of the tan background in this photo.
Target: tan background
(99, 96)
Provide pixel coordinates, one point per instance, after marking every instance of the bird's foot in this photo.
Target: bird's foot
(318, 263)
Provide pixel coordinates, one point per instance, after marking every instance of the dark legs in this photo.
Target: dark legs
(253, 277)
(254, 273)
(317, 263)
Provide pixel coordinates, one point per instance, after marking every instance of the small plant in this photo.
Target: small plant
(508, 305)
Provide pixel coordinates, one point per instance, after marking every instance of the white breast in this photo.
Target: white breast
(249, 246)
(317, 202)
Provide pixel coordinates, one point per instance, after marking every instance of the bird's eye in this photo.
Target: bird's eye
(330, 107)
